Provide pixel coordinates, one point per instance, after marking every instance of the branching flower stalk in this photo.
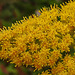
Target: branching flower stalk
(42, 41)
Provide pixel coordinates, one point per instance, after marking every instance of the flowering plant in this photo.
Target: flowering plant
(42, 41)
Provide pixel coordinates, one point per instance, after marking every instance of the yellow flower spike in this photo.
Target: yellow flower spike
(42, 41)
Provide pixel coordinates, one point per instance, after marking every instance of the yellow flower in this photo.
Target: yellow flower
(43, 41)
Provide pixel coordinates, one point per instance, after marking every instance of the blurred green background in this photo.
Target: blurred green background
(12, 11)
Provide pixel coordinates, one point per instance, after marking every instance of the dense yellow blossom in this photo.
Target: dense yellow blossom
(42, 41)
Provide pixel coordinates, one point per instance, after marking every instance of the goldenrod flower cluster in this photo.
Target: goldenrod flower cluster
(42, 41)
